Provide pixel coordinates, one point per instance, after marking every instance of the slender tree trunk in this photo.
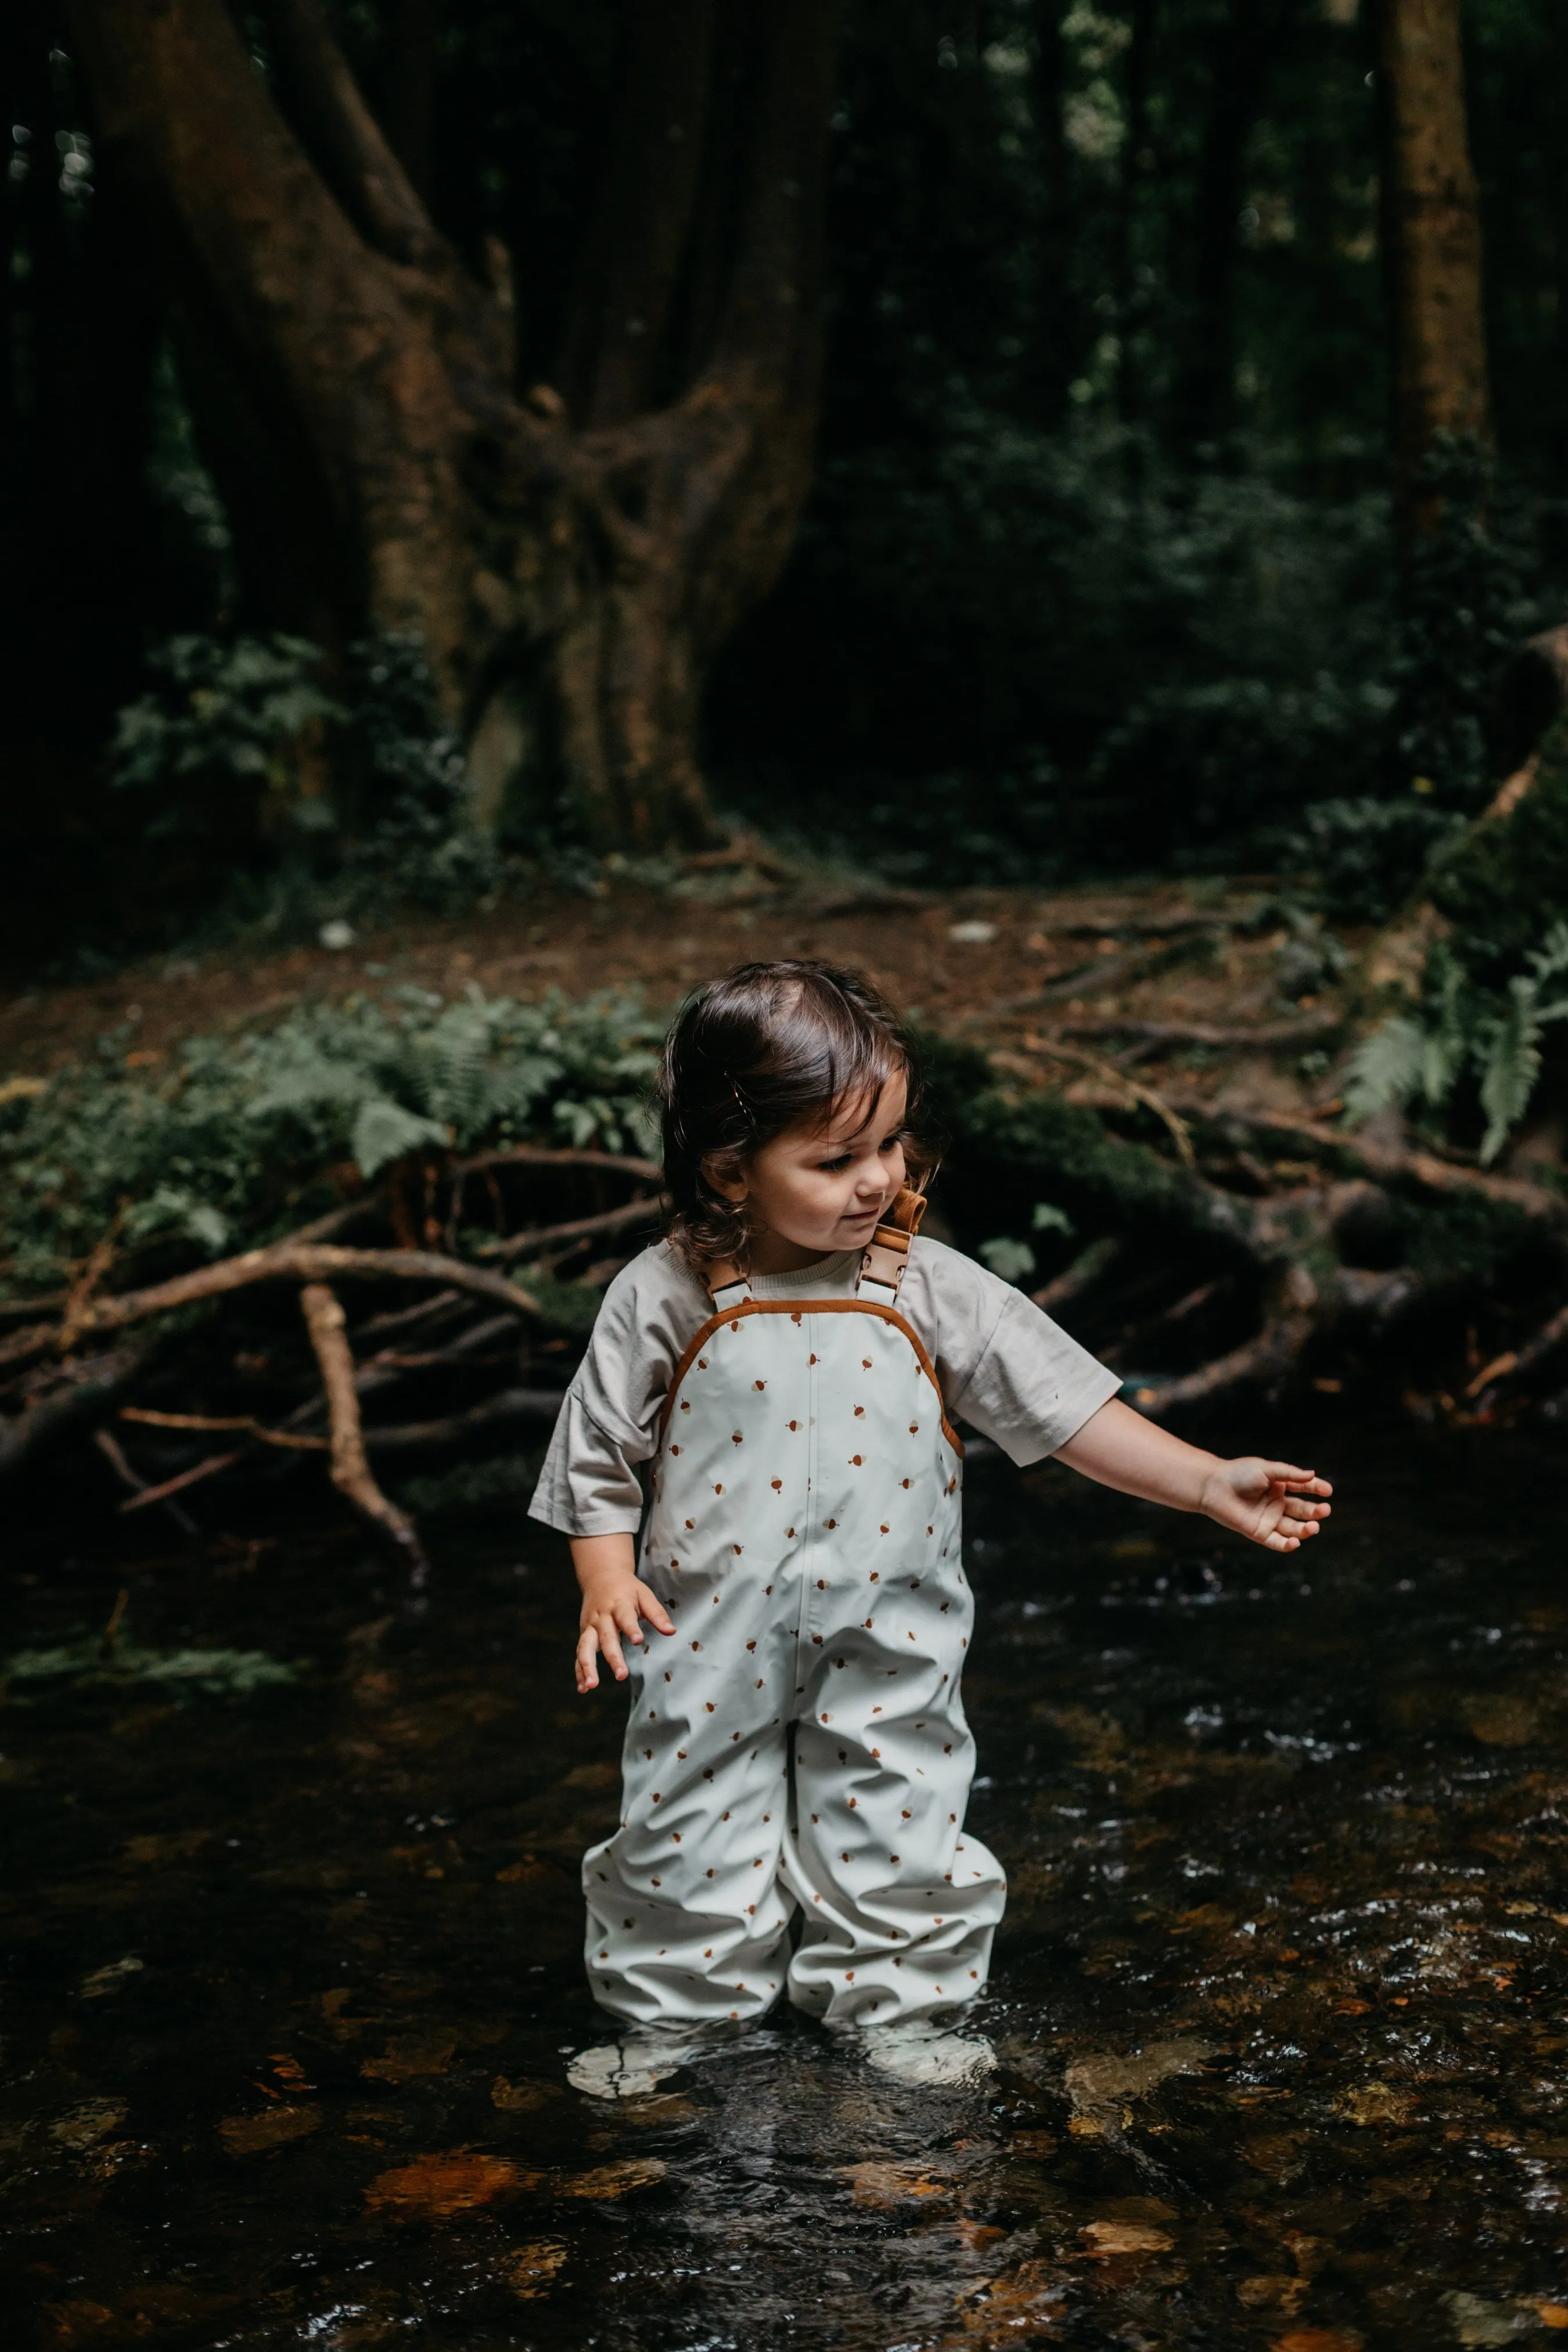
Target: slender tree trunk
(1206, 386)
(1132, 391)
(1432, 243)
(1058, 334)
(572, 578)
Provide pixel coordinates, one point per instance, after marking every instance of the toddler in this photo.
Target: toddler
(770, 1397)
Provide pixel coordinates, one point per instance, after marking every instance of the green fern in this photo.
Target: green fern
(233, 1144)
(1421, 1059)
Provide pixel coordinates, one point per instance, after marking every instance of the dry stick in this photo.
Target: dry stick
(208, 1468)
(1268, 1037)
(287, 1262)
(350, 1471)
(541, 1155)
(1519, 1360)
(1099, 972)
(541, 1238)
(113, 1453)
(1131, 1087)
(243, 1421)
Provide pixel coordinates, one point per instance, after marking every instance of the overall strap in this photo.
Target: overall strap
(727, 1283)
(887, 1255)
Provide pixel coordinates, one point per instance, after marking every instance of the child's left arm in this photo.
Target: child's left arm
(1268, 1502)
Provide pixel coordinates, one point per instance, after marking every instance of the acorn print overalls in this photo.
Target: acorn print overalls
(800, 1741)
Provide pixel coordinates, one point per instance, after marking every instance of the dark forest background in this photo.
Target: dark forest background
(1098, 569)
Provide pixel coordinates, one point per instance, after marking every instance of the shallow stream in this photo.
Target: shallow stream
(290, 1927)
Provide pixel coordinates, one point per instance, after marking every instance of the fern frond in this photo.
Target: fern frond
(1510, 1064)
(1387, 1069)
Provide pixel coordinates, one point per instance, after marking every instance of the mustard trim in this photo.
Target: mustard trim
(808, 1307)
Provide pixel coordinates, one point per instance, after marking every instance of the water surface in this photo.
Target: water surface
(291, 1965)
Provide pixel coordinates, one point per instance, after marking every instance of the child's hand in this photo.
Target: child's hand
(1265, 1501)
(615, 1603)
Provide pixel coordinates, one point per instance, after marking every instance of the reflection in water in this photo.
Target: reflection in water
(292, 1965)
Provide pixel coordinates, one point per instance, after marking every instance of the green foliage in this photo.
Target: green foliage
(1505, 883)
(415, 835)
(1494, 1034)
(215, 743)
(472, 1486)
(216, 1673)
(1363, 855)
(234, 1145)
(287, 805)
(1463, 614)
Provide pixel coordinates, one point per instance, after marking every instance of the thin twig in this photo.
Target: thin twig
(208, 1468)
(113, 1453)
(350, 1471)
(238, 1421)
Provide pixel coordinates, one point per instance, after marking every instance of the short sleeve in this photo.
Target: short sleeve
(1034, 1387)
(589, 1483)
(608, 1422)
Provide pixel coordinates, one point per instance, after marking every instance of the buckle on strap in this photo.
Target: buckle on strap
(886, 1253)
(726, 1283)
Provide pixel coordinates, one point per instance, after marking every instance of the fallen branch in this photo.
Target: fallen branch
(1388, 1161)
(543, 1237)
(1099, 972)
(350, 1471)
(1269, 1036)
(542, 1405)
(540, 1155)
(84, 1390)
(288, 1261)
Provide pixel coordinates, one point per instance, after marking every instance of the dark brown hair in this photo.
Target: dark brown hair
(770, 1046)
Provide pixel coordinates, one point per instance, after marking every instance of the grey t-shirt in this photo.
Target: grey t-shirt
(1004, 1367)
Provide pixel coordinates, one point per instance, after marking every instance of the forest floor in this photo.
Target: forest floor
(1074, 985)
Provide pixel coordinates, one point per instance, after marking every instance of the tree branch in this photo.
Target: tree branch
(346, 140)
(351, 1470)
(288, 1262)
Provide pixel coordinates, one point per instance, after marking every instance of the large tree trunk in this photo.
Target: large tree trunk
(571, 569)
(1432, 242)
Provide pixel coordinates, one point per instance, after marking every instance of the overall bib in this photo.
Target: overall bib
(800, 1741)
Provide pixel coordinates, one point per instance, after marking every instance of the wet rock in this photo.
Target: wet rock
(273, 2127)
(529, 2271)
(435, 2188)
(1104, 2239)
(883, 2186)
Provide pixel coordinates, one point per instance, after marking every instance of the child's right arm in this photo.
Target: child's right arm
(614, 1601)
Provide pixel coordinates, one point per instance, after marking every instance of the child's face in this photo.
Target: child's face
(815, 1190)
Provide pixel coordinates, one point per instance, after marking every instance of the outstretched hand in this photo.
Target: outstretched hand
(1271, 1502)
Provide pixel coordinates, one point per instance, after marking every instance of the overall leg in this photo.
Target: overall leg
(688, 1924)
(900, 1901)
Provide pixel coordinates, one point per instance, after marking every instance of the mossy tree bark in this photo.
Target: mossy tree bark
(1431, 242)
(574, 558)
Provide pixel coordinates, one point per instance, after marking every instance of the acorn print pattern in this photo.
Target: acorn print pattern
(800, 1743)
